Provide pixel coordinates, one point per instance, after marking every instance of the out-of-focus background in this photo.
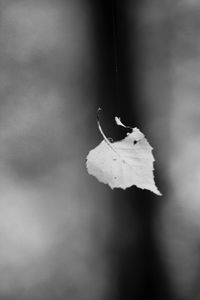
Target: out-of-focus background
(54, 222)
(64, 235)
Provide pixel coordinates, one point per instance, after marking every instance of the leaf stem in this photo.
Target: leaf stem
(101, 131)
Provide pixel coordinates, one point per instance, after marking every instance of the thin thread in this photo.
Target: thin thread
(114, 23)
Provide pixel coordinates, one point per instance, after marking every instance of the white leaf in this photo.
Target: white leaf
(124, 163)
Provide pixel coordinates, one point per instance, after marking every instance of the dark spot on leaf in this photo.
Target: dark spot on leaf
(114, 159)
(115, 177)
(134, 142)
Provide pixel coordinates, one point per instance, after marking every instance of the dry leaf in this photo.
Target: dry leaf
(124, 163)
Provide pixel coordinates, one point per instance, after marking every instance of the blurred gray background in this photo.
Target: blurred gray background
(53, 223)
(63, 235)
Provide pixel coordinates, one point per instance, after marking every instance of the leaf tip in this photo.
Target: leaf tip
(118, 122)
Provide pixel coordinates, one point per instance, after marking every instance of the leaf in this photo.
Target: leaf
(125, 163)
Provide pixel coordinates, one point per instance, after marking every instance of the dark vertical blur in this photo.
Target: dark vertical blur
(138, 266)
